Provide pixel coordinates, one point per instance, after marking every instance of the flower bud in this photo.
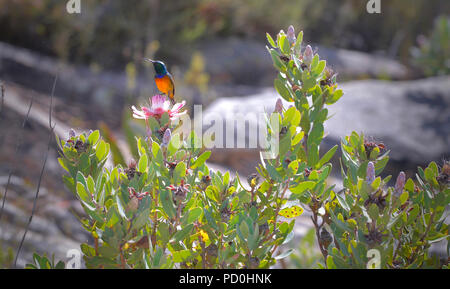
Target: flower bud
(370, 174)
(253, 180)
(132, 163)
(400, 183)
(279, 106)
(166, 138)
(133, 204)
(308, 55)
(444, 176)
(325, 238)
(71, 133)
(291, 35)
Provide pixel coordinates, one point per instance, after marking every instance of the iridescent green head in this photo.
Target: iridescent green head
(159, 66)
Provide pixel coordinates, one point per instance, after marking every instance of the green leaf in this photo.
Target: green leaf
(308, 81)
(155, 149)
(313, 154)
(201, 160)
(270, 40)
(435, 239)
(180, 171)
(342, 202)
(181, 235)
(373, 211)
(143, 163)
(330, 263)
(276, 60)
(298, 42)
(174, 144)
(167, 203)
(284, 254)
(314, 62)
(282, 90)
(409, 186)
(319, 68)
(181, 256)
(273, 173)
(94, 137)
(302, 187)
(243, 228)
(335, 96)
(316, 134)
(285, 46)
(413, 214)
(434, 168)
(82, 193)
(327, 156)
(194, 214)
(120, 207)
(253, 239)
(393, 221)
(404, 197)
(379, 165)
(101, 150)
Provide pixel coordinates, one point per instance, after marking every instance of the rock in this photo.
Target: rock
(352, 64)
(42, 237)
(244, 61)
(412, 118)
(96, 93)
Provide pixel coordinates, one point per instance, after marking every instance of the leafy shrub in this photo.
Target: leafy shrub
(306, 255)
(433, 54)
(42, 262)
(169, 209)
(400, 222)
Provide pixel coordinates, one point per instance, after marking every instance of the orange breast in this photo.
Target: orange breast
(164, 84)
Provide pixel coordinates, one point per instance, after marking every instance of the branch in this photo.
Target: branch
(2, 92)
(50, 137)
(36, 197)
(19, 143)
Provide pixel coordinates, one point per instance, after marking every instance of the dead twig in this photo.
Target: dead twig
(50, 137)
(18, 144)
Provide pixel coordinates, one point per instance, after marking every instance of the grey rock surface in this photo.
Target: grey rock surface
(412, 118)
(244, 61)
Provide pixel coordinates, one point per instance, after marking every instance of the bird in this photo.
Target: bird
(163, 79)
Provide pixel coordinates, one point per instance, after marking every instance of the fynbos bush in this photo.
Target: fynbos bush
(374, 225)
(432, 55)
(169, 210)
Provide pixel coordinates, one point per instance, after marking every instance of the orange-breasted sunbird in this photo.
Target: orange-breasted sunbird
(163, 79)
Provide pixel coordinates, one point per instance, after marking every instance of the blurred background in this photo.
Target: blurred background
(393, 67)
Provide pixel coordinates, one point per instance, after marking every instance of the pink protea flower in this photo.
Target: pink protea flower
(159, 106)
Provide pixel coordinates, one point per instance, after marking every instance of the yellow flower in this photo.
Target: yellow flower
(204, 236)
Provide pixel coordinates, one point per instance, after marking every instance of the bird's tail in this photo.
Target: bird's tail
(171, 96)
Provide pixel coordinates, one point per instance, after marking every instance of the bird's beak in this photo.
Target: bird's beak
(149, 60)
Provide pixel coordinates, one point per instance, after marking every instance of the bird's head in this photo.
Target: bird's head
(159, 66)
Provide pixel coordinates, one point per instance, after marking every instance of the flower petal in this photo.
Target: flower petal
(158, 101)
(178, 106)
